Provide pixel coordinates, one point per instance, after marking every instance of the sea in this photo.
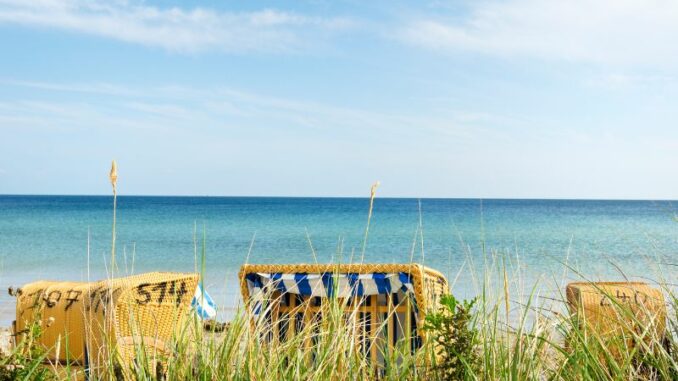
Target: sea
(471, 241)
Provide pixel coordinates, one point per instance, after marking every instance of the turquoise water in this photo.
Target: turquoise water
(46, 237)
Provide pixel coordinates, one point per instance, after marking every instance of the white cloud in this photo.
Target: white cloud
(174, 29)
(620, 32)
(166, 107)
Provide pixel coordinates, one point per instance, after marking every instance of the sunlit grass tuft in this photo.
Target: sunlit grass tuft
(539, 341)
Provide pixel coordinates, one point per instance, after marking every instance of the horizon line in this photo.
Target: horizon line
(341, 197)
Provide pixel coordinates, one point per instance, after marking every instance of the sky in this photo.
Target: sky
(477, 99)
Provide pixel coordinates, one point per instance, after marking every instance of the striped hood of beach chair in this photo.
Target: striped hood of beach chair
(328, 284)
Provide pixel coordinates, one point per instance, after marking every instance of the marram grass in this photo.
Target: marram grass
(542, 341)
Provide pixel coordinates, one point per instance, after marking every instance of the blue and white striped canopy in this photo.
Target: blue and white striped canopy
(330, 284)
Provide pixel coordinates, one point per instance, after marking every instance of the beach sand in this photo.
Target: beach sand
(6, 341)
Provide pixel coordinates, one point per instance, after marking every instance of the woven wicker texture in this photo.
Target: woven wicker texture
(618, 309)
(143, 309)
(108, 317)
(59, 308)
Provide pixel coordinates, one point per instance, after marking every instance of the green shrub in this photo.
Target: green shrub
(456, 339)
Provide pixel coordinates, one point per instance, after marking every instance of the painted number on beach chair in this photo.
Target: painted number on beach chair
(100, 297)
(638, 298)
(37, 296)
(72, 296)
(178, 292)
(53, 298)
(145, 296)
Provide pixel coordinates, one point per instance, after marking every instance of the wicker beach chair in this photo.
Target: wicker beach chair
(391, 296)
(110, 321)
(618, 313)
(57, 309)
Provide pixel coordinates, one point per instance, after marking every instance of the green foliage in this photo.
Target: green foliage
(25, 361)
(456, 339)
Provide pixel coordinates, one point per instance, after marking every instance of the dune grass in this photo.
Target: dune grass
(470, 341)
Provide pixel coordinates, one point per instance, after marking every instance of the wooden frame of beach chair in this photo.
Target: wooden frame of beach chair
(94, 323)
(401, 317)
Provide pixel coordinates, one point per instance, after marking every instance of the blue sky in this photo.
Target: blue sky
(520, 98)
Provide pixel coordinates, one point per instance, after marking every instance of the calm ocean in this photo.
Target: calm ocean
(46, 237)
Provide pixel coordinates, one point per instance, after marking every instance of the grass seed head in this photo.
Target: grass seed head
(373, 189)
(114, 173)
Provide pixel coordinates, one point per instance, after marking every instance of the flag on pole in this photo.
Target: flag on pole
(203, 304)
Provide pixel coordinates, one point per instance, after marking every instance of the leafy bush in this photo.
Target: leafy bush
(456, 339)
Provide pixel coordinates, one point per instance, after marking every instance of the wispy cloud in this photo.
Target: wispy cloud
(243, 135)
(620, 32)
(175, 29)
(178, 107)
(621, 80)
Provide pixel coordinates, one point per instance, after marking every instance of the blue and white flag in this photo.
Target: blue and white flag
(203, 304)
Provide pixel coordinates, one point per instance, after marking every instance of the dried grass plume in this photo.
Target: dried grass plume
(373, 189)
(114, 174)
